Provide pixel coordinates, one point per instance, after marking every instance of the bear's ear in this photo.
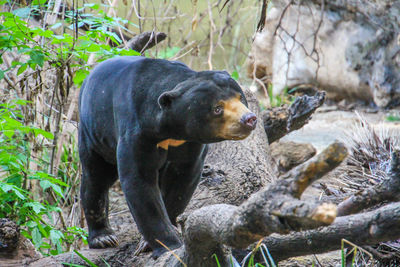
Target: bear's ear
(166, 98)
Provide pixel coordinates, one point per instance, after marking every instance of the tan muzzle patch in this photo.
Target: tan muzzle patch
(232, 129)
(170, 142)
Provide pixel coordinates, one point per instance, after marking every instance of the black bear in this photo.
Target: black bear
(148, 122)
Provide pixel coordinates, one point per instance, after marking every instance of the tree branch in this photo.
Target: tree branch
(145, 40)
(363, 229)
(275, 209)
(280, 121)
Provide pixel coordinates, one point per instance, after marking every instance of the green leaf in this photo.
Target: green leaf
(85, 259)
(37, 57)
(19, 194)
(38, 2)
(6, 187)
(46, 176)
(393, 118)
(45, 184)
(36, 237)
(57, 189)
(55, 236)
(92, 6)
(36, 206)
(8, 133)
(22, 69)
(235, 75)
(22, 102)
(80, 76)
(55, 209)
(15, 63)
(125, 52)
(44, 133)
(31, 224)
(1, 74)
(22, 12)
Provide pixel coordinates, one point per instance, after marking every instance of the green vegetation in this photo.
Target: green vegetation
(17, 175)
(33, 192)
(393, 118)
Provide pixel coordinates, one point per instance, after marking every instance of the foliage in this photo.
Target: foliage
(60, 49)
(16, 175)
(31, 193)
(393, 118)
(279, 100)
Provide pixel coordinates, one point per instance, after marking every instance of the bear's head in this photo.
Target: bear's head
(208, 107)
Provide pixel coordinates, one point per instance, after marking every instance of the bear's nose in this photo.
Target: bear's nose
(249, 120)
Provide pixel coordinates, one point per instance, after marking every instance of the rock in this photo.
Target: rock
(290, 154)
(9, 237)
(15, 250)
(356, 53)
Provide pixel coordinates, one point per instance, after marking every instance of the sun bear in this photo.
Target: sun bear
(148, 123)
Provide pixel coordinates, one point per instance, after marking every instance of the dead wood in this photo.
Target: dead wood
(145, 40)
(281, 120)
(15, 249)
(288, 155)
(275, 209)
(367, 228)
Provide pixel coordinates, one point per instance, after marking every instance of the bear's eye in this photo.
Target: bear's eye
(218, 110)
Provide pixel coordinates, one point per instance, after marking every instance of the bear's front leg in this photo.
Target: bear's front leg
(138, 163)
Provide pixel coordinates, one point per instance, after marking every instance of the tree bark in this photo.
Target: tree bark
(362, 229)
(275, 209)
(280, 121)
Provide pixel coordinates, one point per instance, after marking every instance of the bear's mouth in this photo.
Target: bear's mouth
(238, 120)
(236, 131)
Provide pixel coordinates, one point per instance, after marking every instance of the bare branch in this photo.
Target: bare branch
(363, 229)
(275, 209)
(145, 40)
(280, 121)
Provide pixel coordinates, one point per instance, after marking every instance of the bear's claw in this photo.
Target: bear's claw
(142, 247)
(104, 241)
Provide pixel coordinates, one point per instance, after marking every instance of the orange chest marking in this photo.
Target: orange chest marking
(170, 142)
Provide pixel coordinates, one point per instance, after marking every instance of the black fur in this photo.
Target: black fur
(127, 106)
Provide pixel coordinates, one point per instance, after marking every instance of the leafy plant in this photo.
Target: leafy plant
(356, 251)
(64, 50)
(30, 192)
(16, 177)
(279, 100)
(393, 118)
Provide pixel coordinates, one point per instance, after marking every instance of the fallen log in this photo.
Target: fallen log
(367, 228)
(280, 121)
(363, 229)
